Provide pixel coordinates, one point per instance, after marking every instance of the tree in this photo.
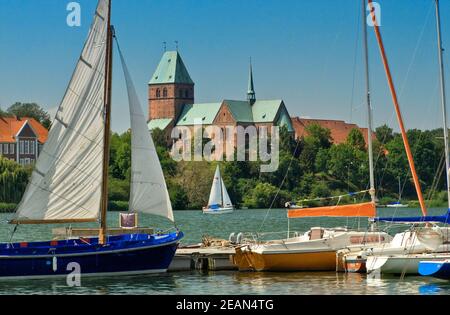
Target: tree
(31, 110)
(3, 113)
(320, 136)
(317, 138)
(159, 138)
(120, 159)
(347, 165)
(384, 134)
(13, 180)
(356, 139)
(264, 194)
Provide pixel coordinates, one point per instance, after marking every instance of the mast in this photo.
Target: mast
(369, 106)
(106, 139)
(221, 187)
(397, 110)
(443, 100)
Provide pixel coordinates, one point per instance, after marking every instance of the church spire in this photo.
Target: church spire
(251, 96)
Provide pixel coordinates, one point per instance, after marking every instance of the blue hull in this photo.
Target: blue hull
(122, 255)
(437, 269)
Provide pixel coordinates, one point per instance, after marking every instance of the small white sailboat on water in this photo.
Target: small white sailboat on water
(398, 204)
(219, 200)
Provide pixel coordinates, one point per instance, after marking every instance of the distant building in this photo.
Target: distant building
(339, 128)
(171, 102)
(21, 139)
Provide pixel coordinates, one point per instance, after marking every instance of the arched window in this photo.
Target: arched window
(158, 93)
(164, 92)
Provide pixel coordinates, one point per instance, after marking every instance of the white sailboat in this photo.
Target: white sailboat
(317, 248)
(403, 254)
(430, 243)
(219, 200)
(398, 204)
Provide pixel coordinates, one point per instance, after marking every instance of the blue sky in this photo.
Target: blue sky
(306, 52)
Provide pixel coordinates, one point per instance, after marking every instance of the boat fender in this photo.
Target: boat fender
(239, 238)
(232, 238)
(55, 264)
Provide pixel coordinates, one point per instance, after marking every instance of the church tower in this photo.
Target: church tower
(251, 95)
(169, 88)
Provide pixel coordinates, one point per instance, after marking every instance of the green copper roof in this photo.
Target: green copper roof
(265, 110)
(171, 69)
(241, 110)
(161, 123)
(205, 112)
(262, 111)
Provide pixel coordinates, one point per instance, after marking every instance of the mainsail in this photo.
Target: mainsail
(65, 185)
(148, 192)
(215, 197)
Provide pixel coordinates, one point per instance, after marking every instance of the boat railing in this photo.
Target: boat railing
(259, 237)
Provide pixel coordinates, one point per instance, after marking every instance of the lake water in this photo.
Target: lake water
(195, 225)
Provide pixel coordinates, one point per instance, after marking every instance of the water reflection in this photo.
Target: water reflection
(235, 283)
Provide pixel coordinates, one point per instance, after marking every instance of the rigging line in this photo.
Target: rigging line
(354, 65)
(415, 148)
(412, 61)
(416, 145)
(436, 179)
(281, 184)
(418, 42)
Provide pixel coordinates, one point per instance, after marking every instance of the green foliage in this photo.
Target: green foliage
(7, 207)
(262, 196)
(121, 206)
(384, 134)
(356, 139)
(308, 168)
(159, 138)
(31, 110)
(13, 181)
(119, 189)
(120, 156)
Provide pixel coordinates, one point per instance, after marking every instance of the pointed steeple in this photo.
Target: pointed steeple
(251, 96)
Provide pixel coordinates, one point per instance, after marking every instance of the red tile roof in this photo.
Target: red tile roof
(10, 126)
(339, 128)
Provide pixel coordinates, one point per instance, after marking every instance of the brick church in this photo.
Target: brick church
(171, 102)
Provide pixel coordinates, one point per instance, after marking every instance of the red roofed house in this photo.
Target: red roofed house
(21, 139)
(339, 128)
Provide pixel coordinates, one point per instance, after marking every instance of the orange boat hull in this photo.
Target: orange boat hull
(356, 266)
(308, 261)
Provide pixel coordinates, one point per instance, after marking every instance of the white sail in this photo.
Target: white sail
(67, 180)
(148, 192)
(215, 197)
(226, 197)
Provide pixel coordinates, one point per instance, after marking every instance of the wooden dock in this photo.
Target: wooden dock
(203, 258)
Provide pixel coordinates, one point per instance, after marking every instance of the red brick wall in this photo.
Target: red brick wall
(169, 106)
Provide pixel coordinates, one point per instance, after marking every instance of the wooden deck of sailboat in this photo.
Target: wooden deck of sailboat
(64, 233)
